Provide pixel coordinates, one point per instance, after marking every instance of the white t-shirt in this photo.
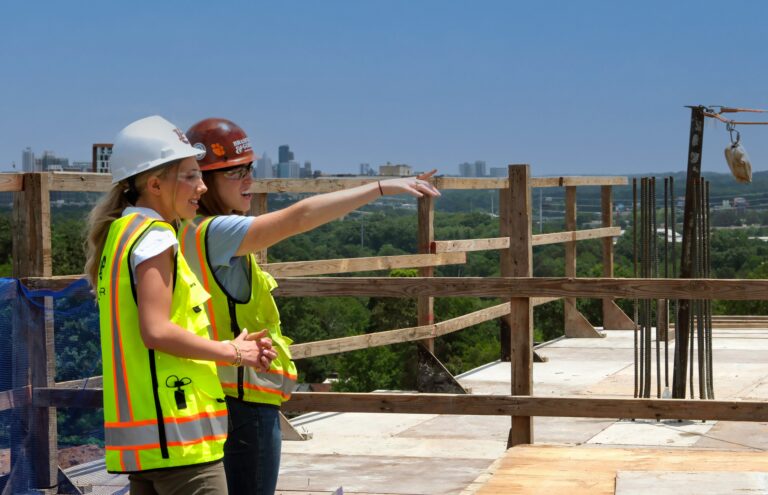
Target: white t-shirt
(155, 241)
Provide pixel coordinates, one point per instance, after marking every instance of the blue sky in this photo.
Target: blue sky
(591, 87)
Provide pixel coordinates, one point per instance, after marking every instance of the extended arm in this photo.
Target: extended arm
(270, 228)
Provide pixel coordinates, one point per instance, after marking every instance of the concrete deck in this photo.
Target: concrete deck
(432, 454)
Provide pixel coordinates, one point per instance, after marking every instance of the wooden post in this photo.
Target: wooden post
(33, 436)
(426, 234)
(259, 207)
(575, 323)
(613, 317)
(517, 261)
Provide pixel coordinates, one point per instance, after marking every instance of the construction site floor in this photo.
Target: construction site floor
(442, 454)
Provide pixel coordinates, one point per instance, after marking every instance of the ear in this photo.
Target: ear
(153, 185)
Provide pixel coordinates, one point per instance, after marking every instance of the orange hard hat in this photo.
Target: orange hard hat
(222, 144)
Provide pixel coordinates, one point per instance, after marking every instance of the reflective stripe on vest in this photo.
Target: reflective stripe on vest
(256, 313)
(159, 410)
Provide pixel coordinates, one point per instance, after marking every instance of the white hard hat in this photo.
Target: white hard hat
(147, 144)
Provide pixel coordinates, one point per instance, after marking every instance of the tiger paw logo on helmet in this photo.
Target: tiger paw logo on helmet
(217, 149)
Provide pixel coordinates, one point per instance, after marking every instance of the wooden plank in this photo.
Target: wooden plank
(344, 344)
(11, 182)
(627, 288)
(538, 301)
(33, 436)
(479, 405)
(499, 405)
(425, 235)
(346, 265)
(329, 184)
(613, 317)
(576, 235)
(466, 245)
(259, 206)
(576, 325)
(18, 397)
(517, 261)
(578, 181)
(80, 181)
(535, 287)
(575, 470)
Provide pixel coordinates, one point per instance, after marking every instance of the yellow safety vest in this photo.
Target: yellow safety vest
(160, 410)
(229, 316)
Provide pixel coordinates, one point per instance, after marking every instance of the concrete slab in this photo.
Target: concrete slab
(690, 483)
(377, 474)
(652, 433)
(736, 436)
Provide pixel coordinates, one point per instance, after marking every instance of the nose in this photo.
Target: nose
(201, 187)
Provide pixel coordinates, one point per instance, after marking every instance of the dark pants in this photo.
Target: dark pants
(252, 450)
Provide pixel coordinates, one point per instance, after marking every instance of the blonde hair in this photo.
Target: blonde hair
(109, 208)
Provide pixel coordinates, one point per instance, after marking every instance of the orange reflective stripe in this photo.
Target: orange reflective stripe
(281, 372)
(116, 339)
(206, 283)
(251, 386)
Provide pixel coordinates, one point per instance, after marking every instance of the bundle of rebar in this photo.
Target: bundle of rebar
(652, 317)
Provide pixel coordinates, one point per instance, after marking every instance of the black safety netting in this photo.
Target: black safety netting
(74, 317)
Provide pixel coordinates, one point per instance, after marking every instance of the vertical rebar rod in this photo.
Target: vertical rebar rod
(666, 275)
(708, 268)
(656, 301)
(700, 339)
(635, 226)
(641, 344)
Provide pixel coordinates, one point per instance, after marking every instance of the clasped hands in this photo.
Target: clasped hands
(256, 349)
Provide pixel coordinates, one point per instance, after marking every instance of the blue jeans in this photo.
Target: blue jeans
(252, 449)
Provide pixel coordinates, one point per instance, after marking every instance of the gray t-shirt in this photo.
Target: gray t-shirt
(225, 234)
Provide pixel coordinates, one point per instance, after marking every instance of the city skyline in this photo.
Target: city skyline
(571, 88)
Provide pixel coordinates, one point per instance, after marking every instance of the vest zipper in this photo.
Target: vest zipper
(235, 327)
(158, 409)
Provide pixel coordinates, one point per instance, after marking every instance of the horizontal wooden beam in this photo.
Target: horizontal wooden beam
(465, 245)
(629, 288)
(505, 405)
(535, 287)
(355, 342)
(329, 184)
(18, 397)
(81, 181)
(346, 265)
(11, 182)
(575, 235)
(578, 181)
(481, 405)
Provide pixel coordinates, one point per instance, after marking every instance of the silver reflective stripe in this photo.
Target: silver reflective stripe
(129, 460)
(183, 432)
(274, 381)
(121, 390)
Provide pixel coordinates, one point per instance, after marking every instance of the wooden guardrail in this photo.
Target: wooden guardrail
(36, 394)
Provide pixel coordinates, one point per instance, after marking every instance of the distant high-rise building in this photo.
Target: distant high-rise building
(101, 152)
(306, 170)
(284, 154)
(264, 167)
(498, 171)
(289, 170)
(49, 162)
(400, 170)
(466, 169)
(365, 169)
(28, 160)
(479, 168)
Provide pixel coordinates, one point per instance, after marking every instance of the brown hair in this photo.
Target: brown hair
(108, 209)
(211, 203)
